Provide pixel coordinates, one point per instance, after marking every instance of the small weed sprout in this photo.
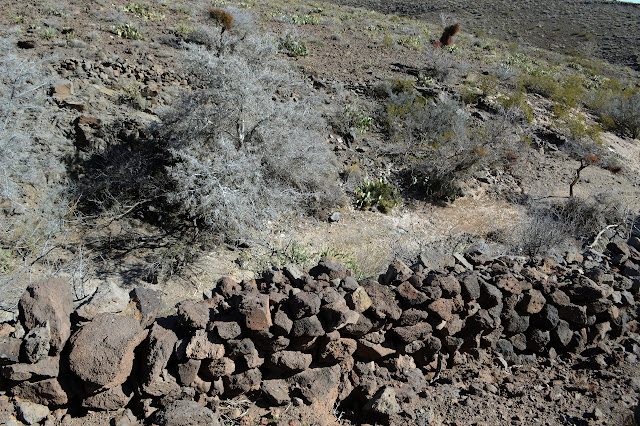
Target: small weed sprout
(378, 194)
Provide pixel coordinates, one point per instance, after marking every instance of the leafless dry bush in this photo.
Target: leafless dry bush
(33, 210)
(443, 65)
(226, 161)
(552, 225)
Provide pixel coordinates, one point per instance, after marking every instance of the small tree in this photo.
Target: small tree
(586, 161)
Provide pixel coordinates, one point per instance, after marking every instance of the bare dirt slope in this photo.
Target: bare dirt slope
(600, 28)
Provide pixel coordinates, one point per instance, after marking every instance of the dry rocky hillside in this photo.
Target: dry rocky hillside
(313, 213)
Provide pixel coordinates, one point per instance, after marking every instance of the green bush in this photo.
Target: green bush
(618, 108)
(144, 11)
(292, 46)
(517, 101)
(540, 81)
(128, 30)
(379, 194)
(358, 118)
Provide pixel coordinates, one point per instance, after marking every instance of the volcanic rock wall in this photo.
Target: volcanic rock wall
(319, 337)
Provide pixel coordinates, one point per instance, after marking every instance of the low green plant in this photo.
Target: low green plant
(292, 47)
(144, 11)
(581, 129)
(413, 43)
(18, 20)
(378, 194)
(55, 12)
(6, 263)
(304, 19)
(387, 41)
(571, 92)
(49, 33)
(358, 119)
(518, 59)
(184, 31)
(131, 94)
(618, 107)
(517, 100)
(541, 81)
(470, 95)
(128, 30)
(183, 10)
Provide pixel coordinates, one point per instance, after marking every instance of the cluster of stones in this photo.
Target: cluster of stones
(319, 337)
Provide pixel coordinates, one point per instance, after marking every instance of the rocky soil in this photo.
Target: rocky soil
(600, 29)
(462, 339)
(478, 338)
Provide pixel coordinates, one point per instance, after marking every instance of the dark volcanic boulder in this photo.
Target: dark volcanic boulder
(102, 351)
(49, 301)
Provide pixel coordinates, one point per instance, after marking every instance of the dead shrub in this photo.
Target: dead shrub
(222, 17)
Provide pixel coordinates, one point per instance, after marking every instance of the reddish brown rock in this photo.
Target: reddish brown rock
(304, 304)
(532, 302)
(46, 392)
(255, 308)
(187, 371)
(383, 304)
(332, 270)
(147, 304)
(46, 367)
(227, 287)
(335, 351)
(409, 295)
(510, 284)
(37, 343)
(307, 327)
(317, 385)
(160, 347)
(583, 291)
(276, 391)
(337, 315)
(574, 314)
(411, 333)
(442, 308)
(449, 285)
(358, 300)
(282, 324)
(102, 351)
(373, 351)
(10, 349)
(182, 413)
(194, 314)
(244, 382)
(52, 301)
(397, 271)
(203, 346)
(227, 329)
(218, 368)
(110, 399)
(291, 360)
